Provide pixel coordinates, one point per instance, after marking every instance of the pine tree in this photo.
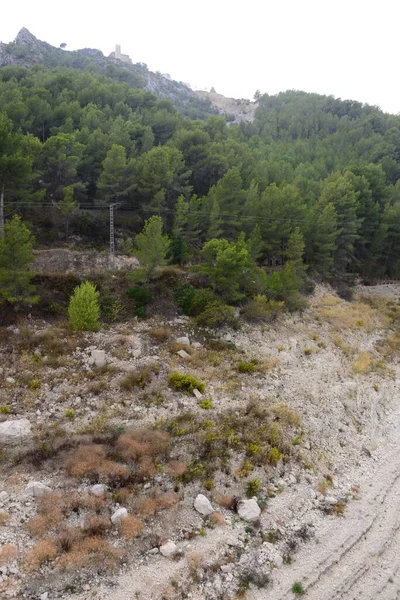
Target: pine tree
(15, 257)
(84, 308)
(255, 243)
(152, 246)
(325, 234)
(295, 252)
(214, 229)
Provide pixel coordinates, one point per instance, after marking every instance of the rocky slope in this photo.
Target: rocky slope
(325, 391)
(27, 51)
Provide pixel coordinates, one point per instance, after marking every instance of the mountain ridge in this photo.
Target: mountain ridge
(28, 51)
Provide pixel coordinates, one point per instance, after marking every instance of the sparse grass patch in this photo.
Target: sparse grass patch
(139, 378)
(160, 334)
(252, 487)
(363, 363)
(307, 351)
(346, 315)
(5, 409)
(70, 413)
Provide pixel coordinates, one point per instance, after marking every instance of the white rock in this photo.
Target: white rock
(3, 497)
(203, 505)
(44, 596)
(331, 500)
(197, 345)
(183, 340)
(198, 394)
(168, 549)
(36, 488)
(248, 510)
(183, 354)
(153, 551)
(10, 380)
(278, 560)
(98, 489)
(12, 432)
(119, 514)
(99, 358)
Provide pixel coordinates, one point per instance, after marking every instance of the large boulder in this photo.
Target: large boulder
(119, 514)
(98, 358)
(36, 489)
(13, 432)
(203, 505)
(248, 510)
(168, 549)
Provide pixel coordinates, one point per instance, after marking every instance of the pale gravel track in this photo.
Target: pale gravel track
(356, 557)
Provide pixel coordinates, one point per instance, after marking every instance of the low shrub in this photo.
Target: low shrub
(252, 487)
(160, 334)
(42, 552)
(298, 589)
(248, 367)
(142, 297)
(185, 298)
(139, 378)
(131, 527)
(217, 314)
(206, 404)
(84, 308)
(262, 309)
(185, 383)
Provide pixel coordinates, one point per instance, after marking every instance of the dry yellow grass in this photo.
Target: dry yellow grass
(346, 315)
(3, 518)
(131, 527)
(363, 363)
(286, 415)
(8, 552)
(42, 552)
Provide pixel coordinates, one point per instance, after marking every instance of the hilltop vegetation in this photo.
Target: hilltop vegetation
(71, 140)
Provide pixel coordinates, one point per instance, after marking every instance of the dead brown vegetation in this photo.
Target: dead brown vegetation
(160, 334)
(131, 527)
(8, 552)
(43, 551)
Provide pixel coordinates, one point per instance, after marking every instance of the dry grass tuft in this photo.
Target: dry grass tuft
(138, 378)
(137, 443)
(43, 551)
(131, 527)
(8, 552)
(49, 514)
(3, 518)
(160, 334)
(176, 468)
(97, 525)
(217, 519)
(225, 500)
(363, 364)
(90, 461)
(91, 552)
(286, 415)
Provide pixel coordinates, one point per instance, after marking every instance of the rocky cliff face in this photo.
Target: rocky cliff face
(27, 51)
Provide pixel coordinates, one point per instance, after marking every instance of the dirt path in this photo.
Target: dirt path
(356, 557)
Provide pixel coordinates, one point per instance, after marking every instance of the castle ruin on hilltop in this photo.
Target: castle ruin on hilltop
(119, 56)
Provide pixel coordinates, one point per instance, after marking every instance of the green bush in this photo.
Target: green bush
(262, 309)
(185, 383)
(84, 308)
(142, 297)
(298, 589)
(248, 367)
(185, 298)
(217, 314)
(252, 487)
(203, 298)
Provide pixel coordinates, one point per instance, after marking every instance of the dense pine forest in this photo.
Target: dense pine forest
(311, 168)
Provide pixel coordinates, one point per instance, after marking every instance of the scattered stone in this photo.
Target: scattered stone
(3, 497)
(14, 431)
(331, 500)
(119, 514)
(44, 596)
(197, 345)
(203, 505)
(36, 489)
(10, 380)
(197, 394)
(153, 551)
(248, 510)
(99, 358)
(98, 489)
(168, 549)
(183, 340)
(183, 354)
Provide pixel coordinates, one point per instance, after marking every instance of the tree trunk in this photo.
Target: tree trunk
(2, 212)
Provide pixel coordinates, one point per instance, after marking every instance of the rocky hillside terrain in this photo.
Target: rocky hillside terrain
(154, 459)
(27, 51)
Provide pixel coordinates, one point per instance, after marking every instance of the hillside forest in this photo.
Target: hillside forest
(312, 180)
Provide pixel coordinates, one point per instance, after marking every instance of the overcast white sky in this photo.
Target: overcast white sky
(348, 48)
